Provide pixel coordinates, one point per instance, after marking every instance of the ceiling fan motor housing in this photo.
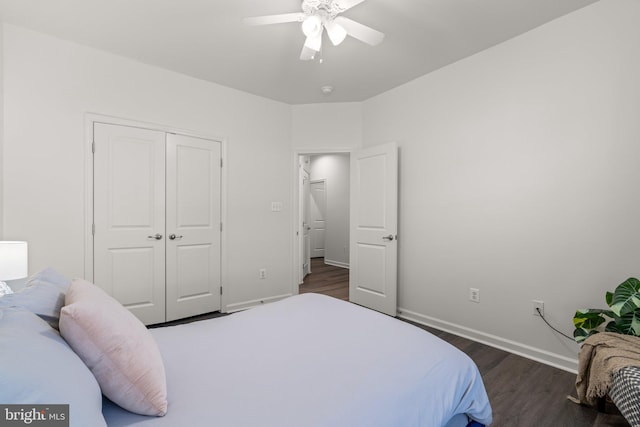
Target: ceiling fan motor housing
(326, 9)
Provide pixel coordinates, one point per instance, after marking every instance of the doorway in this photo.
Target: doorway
(322, 221)
(371, 228)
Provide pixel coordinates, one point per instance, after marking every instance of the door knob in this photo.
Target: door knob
(157, 236)
(174, 237)
(389, 237)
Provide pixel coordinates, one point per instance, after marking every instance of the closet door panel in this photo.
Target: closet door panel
(129, 267)
(129, 218)
(193, 226)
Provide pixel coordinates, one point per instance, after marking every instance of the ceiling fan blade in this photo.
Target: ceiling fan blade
(359, 31)
(347, 4)
(274, 19)
(307, 54)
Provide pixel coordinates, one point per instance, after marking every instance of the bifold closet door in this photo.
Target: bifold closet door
(193, 226)
(129, 218)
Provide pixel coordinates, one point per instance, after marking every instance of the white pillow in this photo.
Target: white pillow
(38, 367)
(117, 348)
(42, 295)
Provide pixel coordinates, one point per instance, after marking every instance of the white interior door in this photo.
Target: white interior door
(318, 212)
(129, 218)
(373, 228)
(306, 228)
(193, 244)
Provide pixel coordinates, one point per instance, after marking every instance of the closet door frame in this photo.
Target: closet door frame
(89, 120)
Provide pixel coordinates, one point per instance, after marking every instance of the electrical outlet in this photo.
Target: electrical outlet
(474, 294)
(262, 273)
(537, 305)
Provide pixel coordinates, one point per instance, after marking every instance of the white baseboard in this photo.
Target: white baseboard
(336, 263)
(542, 356)
(248, 304)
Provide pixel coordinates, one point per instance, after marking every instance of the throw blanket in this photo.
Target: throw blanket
(601, 356)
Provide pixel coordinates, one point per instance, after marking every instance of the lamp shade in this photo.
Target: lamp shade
(336, 32)
(313, 43)
(312, 26)
(13, 260)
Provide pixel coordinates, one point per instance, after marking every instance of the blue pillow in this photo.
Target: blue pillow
(43, 295)
(39, 367)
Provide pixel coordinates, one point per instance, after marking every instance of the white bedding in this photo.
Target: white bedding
(311, 360)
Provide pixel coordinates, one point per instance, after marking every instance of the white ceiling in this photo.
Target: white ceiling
(207, 39)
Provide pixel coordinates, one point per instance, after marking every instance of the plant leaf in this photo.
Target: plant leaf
(629, 324)
(626, 298)
(581, 334)
(589, 318)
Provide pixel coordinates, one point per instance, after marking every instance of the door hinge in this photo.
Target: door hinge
(220, 290)
(93, 229)
(221, 162)
(93, 147)
(221, 227)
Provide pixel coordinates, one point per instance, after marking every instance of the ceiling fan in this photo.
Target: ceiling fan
(318, 15)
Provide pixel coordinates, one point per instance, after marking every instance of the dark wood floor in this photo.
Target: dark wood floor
(326, 279)
(522, 392)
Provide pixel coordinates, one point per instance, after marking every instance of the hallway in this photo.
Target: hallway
(327, 279)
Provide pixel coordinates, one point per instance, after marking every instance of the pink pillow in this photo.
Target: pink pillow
(117, 348)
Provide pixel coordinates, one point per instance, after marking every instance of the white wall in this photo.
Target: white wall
(49, 85)
(327, 126)
(334, 169)
(519, 176)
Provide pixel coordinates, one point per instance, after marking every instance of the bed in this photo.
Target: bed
(308, 360)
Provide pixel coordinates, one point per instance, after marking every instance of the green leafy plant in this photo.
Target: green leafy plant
(623, 315)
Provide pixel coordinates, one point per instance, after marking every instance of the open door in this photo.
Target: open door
(373, 228)
(305, 195)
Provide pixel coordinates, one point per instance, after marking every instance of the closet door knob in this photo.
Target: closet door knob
(174, 237)
(157, 236)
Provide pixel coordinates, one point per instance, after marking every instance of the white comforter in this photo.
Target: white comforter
(311, 360)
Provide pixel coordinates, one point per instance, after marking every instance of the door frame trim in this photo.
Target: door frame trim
(295, 235)
(89, 120)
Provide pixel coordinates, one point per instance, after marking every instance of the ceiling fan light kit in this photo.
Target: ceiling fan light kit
(313, 43)
(312, 26)
(336, 32)
(318, 15)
